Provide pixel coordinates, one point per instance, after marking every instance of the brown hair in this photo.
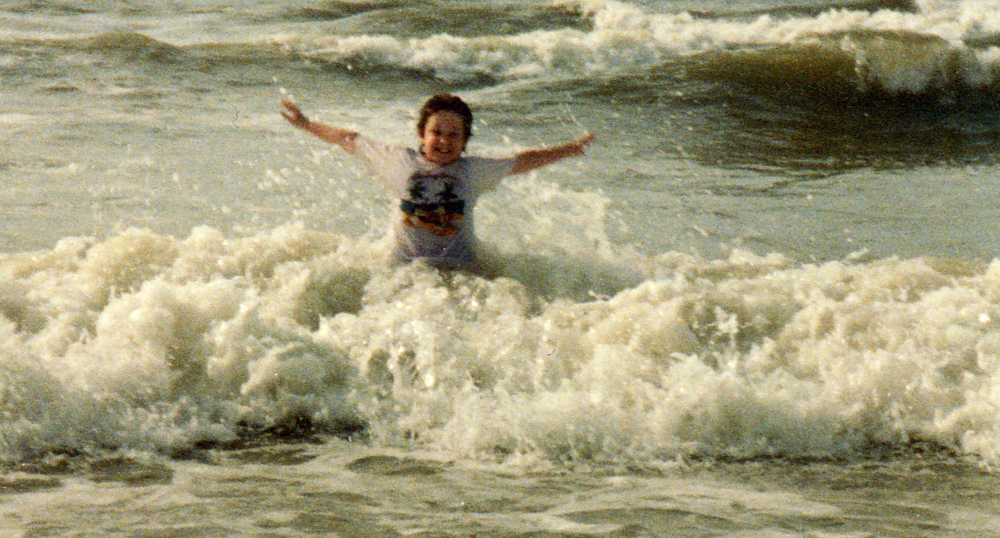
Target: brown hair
(445, 102)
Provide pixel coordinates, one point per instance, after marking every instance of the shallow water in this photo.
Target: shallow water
(347, 490)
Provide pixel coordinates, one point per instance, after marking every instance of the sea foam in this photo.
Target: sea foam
(149, 342)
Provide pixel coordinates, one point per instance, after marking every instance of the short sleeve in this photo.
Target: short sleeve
(390, 162)
(486, 173)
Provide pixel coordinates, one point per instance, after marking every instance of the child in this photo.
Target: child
(436, 186)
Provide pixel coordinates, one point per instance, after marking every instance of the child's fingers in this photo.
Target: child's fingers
(293, 114)
(291, 108)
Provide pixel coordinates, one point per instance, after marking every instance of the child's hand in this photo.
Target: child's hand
(294, 115)
(575, 147)
(531, 159)
(582, 141)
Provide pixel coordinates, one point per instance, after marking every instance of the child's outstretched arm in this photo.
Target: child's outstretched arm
(344, 138)
(531, 159)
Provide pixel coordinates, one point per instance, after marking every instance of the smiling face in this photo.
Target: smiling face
(443, 138)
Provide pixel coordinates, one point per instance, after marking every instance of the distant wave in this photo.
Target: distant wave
(895, 51)
(891, 49)
(844, 65)
(853, 84)
(853, 99)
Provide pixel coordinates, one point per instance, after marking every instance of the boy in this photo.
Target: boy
(436, 186)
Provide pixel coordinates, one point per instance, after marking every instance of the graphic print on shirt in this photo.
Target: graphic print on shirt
(433, 205)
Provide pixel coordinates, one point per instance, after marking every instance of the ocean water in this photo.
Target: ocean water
(766, 304)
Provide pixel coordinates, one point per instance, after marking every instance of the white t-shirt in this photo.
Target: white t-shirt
(433, 220)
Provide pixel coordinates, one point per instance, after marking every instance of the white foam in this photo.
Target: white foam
(146, 341)
(582, 348)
